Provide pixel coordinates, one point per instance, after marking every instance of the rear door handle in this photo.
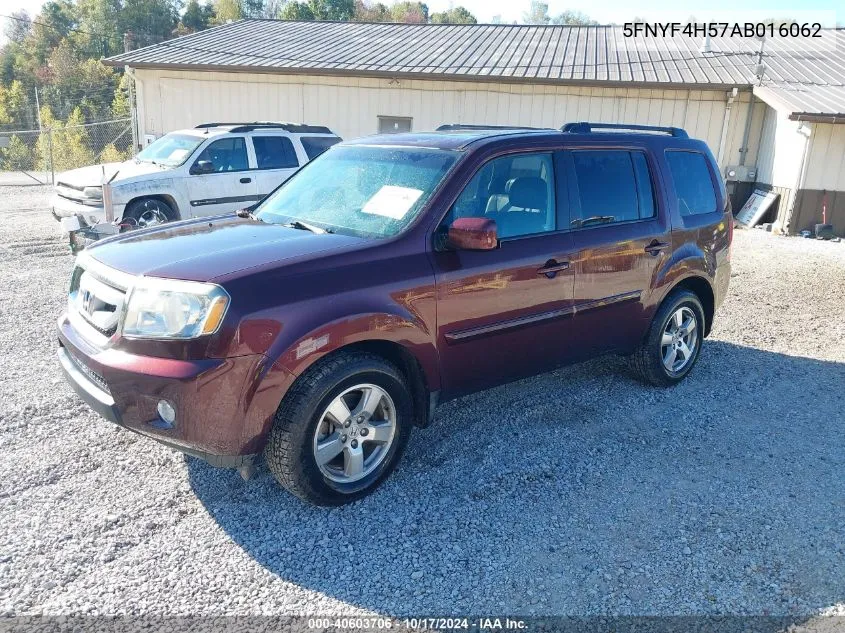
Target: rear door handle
(655, 247)
(246, 181)
(552, 268)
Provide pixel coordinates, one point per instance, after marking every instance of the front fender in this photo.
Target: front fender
(404, 330)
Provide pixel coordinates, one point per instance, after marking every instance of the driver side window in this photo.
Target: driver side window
(516, 192)
(225, 154)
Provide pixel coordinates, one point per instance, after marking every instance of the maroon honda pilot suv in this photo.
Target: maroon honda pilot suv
(393, 273)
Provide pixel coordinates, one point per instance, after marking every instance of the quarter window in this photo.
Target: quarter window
(693, 184)
(226, 154)
(517, 192)
(612, 186)
(316, 145)
(274, 152)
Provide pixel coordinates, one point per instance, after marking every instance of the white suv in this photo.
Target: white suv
(211, 169)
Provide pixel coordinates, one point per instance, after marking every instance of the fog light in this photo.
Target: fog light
(166, 411)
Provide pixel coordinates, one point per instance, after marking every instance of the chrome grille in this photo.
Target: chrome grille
(96, 301)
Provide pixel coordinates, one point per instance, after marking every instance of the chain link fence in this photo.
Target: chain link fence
(37, 156)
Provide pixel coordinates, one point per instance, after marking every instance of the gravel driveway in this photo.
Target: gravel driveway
(578, 492)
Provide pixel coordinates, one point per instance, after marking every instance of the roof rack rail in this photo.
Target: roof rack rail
(294, 128)
(585, 127)
(451, 127)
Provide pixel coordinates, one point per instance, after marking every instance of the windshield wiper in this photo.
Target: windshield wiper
(299, 224)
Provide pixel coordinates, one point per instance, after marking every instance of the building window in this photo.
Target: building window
(394, 124)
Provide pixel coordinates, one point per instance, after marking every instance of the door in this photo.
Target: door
(621, 237)
(506, 313)
(220, 180)
(275, 161)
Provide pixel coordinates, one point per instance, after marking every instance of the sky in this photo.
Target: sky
(605, 12)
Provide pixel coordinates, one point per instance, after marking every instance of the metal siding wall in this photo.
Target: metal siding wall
(781, 148)
(826, 162)
(351, 105)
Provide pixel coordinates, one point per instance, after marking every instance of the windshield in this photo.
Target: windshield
(170, 150)
(358, 190)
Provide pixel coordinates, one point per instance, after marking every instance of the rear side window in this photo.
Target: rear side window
(316, 145)
(613, 186)
(693, 184)
(274, 152)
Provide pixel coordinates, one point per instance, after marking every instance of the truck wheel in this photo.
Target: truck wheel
(673, 342)
(341, 429)
(148, 212)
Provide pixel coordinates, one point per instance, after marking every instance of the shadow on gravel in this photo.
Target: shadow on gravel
(582, 492)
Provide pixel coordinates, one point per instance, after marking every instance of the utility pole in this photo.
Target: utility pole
(133, 113)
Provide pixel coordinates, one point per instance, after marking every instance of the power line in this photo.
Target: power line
(70, 29)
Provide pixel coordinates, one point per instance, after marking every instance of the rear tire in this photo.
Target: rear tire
(148, 212)
(671, 348)
(326, 413)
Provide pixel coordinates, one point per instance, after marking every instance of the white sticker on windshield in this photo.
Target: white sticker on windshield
(392, 202)
(177, 154)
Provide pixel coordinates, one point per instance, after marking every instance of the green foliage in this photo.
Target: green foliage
(538, 13)
(226, 11)
(111, 154)
(13, 105)
(16, 156)
(197, 16)
(294, 10)
(411, 12)
(573, 18)
(120, 108)
(455, 15)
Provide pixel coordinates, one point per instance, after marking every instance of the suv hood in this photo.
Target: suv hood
(212, 248)
(92, 176)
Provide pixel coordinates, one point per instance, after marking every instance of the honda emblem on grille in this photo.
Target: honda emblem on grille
(87, 301)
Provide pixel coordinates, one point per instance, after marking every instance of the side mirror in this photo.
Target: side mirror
(473, 234)
(202, 167)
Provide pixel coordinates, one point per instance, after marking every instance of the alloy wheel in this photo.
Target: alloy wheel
(680, 340)
(354, 433)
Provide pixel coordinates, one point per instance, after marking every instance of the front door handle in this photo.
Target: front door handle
(246, 181)
(552, 268)
(655, 247)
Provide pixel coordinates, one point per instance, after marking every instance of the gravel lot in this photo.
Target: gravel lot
(583, 492)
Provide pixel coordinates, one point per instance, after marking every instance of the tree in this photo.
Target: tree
(197, 16)
(573, 18)
(410, 12)
(455, 15)
(226, 11)
(14, 106)
(340, 10)
(294, 10)
(149, 21)
(376, 12)
(16, 156)
(18, 26)
(120, 107)
(538, 13)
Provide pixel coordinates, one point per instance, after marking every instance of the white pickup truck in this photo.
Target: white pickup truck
(211, 169)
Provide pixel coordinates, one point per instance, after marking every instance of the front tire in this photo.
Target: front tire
(148, 212)
(341, 429)
(671, 348)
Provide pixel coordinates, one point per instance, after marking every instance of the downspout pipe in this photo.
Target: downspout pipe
(807, 132)
(725, 123)
(743, 151)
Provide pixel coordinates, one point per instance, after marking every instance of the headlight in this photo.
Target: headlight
(171, 309)
(95, 193)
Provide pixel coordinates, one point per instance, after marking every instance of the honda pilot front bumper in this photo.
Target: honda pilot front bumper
(212, 415)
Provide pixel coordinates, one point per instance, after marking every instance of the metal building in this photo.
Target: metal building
(772, 112)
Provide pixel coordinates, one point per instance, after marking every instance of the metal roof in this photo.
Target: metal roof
(598, 55)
